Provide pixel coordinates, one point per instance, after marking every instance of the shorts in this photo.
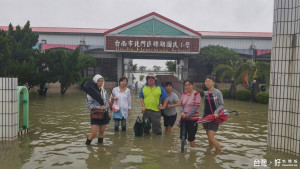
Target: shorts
(103, 121)
(211, 126)
(191, 128)
(169, 120)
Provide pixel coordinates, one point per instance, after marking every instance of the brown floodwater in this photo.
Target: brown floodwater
(59, 126)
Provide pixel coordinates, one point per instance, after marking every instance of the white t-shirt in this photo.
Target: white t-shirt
(124, 100)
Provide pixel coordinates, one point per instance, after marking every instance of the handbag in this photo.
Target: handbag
(117, 115)
(178, 122)
(97, 114)
(216, 120)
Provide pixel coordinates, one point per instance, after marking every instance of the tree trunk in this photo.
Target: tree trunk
(232, 91)
(43, 89)
(254, 91)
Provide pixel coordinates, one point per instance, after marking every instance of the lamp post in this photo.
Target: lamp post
(180, 68)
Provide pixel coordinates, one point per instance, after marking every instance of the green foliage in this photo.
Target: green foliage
(262, 97)
(142, 77)
(214, 55)
(243, 95)
(171, 66)
(156, 68)
(225, 93)
(201, 92)
(134, 67)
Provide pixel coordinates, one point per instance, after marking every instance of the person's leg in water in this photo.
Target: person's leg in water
(101, 133)
(123, 123)
(211, 139)
(117, 123)
(211, 145)
(94, 129)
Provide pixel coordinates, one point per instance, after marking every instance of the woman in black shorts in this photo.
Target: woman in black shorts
(216, 104)
(170, 113)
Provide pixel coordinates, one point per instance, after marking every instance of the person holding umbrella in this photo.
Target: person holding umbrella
(97, 98)
(213, 103)
(189, 106)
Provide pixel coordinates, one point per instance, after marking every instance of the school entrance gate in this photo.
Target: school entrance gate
(153, 37)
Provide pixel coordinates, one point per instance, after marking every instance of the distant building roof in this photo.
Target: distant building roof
(101, 31)
(236, 34)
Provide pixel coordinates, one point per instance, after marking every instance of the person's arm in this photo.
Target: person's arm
(129, 99)
(165, 98)
(143, 105)
(142, 100)
(165, 102)
(220, 102)
(89, 103)
(197, 101)
(177, 103)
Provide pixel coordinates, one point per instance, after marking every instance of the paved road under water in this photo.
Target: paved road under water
(59, 126)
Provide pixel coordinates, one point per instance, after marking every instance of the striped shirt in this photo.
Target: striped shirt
(190, 106)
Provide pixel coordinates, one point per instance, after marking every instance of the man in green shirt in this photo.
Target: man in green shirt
(150, 97)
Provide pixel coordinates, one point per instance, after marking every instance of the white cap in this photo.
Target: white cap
(151, 75)
(96, 77)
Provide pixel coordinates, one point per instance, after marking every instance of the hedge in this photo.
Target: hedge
(262, 97)
(225, 93)
(201, 92)
(243, 95)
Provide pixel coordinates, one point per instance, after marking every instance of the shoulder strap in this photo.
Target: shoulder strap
(208, 98)
(188, 100)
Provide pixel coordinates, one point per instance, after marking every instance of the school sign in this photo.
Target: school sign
(152, 33)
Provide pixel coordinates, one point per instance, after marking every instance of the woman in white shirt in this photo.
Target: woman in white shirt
(122, 97)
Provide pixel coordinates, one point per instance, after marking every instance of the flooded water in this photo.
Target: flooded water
(59, 126)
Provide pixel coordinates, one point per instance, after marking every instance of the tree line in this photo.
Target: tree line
(32, 67)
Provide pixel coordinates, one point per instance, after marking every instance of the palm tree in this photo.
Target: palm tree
(252, 72)
(240, 73)
(229, 71)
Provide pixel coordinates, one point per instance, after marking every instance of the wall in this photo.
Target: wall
(284, 103)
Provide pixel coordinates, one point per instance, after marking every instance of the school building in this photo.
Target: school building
(151, 36)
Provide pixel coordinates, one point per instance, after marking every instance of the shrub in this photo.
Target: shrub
(262, 97)
(243, 95)
(225, 93)
(201, 92)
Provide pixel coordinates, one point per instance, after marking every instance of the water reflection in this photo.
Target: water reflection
(59, 126)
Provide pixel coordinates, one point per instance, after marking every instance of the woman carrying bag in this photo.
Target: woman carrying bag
(121, 97)
(189, 106)
(213, 103)
(97, 102)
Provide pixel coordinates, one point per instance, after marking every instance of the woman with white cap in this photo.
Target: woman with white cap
(92, 103)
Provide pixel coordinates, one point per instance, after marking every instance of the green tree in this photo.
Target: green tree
(239, 72)
(215, 55)
(18, 59)
(171, 66)
(134, 67)
(156, 68)
(254, 73)
(230, 71)
(142, 77)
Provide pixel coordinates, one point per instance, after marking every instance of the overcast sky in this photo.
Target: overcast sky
(200, 15)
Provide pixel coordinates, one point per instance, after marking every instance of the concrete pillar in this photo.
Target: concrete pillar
(186, 68)
(8, 108)
(120, 65)
(284, 103)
